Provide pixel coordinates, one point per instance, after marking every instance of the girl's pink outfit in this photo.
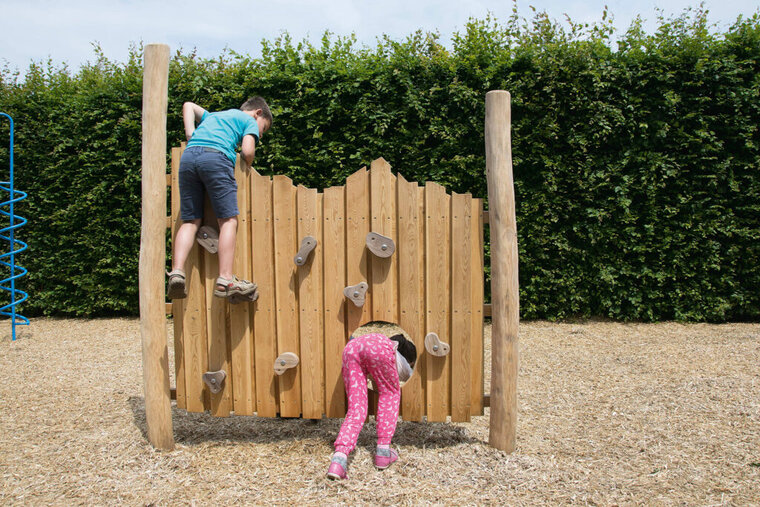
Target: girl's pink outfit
(372, 354)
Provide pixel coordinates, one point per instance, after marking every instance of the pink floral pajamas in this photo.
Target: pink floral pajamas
(372, 354)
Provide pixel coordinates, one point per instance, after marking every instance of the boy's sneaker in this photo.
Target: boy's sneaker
(233, 287)
(384, 458)
(177, 289)
(337, 469)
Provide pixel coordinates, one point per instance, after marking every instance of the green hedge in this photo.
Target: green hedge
(636, 159)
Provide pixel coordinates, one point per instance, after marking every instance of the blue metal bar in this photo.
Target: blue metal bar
(9, 259)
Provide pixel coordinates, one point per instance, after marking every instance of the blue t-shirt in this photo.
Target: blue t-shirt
(224, 131)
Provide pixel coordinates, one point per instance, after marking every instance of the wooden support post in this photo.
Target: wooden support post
(504, 281)
(153, 248)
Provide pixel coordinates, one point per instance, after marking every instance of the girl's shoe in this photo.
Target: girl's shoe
(384, 458)
(337, 469)
(177, 288)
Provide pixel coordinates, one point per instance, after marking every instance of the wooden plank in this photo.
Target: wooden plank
(487, 310)
(176, 307)
(410, 269)
(437, 291)
(461, 306)
(192, 325)
(334, 268)
(286, 303)
(265, 334)
(216, 325)
(241, 337)
(357, 263)
(477, 286)
(383, 221)
(309, 277)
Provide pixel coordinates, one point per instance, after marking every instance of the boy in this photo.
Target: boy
(208, 163)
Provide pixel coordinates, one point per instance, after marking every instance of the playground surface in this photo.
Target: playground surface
(609, 413)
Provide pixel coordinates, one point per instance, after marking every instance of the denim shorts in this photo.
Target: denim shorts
(206, 169)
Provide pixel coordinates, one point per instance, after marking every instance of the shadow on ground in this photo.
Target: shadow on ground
(194, 428)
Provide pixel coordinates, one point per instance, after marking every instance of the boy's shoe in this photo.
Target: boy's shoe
(337, 469)
(208, 238)
(384, 458)
(177, 289)
(226, 288)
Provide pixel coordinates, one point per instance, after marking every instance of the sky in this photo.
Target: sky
(65, 31)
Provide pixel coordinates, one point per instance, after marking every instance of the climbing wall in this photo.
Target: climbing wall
(379, 248)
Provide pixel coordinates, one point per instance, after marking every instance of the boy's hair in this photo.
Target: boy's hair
(406, 348)
(258, 103)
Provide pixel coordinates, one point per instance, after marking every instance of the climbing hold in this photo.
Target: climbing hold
(284, 362)
(356, 293)
(435, 346)
(380, 245)
(307, 245)
(214, 380)
(208, 238)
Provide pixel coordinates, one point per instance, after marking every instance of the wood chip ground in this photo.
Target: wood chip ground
(610, 413)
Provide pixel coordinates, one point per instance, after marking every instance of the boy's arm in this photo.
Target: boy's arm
(191, 113)
(248, 149)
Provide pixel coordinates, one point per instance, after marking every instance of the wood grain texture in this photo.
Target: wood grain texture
(383, 221)
(334, 268)
(264, 321)
(177, 305)
(286, 302)
(152, 262)
(410, 293)
(478, 286)
(461, 306)
(437, 296)
(241, 336)
(504, 272)
(310, 294)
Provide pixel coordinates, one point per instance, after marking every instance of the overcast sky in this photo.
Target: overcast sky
(64, 31)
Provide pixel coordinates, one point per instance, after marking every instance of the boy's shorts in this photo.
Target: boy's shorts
(206, 169)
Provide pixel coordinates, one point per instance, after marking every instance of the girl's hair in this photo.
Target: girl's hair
(406, 348)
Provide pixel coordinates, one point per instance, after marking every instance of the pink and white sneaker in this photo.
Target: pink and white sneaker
(337, 468)
(384, 458)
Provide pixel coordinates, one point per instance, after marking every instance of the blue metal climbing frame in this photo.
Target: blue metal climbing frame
(8, 259)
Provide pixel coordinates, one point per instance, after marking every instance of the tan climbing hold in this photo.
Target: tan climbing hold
(214, 380)
(380, 245)
(356, 293)
(435, 346)
(284, 362)
(208, 238)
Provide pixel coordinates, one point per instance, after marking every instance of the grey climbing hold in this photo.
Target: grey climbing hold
(308, 244)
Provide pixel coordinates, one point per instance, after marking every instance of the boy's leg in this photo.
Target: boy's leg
(183, 242)
(227, 239)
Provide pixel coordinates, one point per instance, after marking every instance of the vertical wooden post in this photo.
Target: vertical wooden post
(153, 248)
(505, 312)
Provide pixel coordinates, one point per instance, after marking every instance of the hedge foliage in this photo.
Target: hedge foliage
(636, 156)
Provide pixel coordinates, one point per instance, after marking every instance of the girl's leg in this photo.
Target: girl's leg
(385, 375)
(355, 382)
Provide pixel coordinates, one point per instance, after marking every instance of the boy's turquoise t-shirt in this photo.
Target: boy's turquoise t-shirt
(224, 131)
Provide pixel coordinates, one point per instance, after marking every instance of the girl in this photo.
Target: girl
(390, 363)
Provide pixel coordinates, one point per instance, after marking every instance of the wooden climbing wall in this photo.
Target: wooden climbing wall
(432, 283)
